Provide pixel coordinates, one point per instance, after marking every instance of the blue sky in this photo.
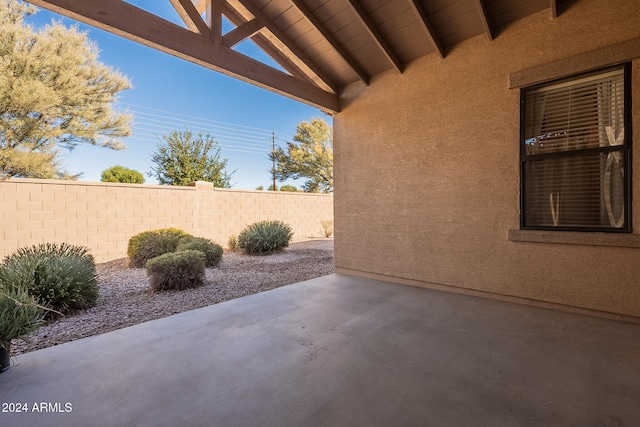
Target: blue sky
(172, 94)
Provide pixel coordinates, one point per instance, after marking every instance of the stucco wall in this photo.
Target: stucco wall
(427, 169)
(103, 216)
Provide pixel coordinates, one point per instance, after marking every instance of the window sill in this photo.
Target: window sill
(576, 238)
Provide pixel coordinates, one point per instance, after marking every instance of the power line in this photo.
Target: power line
(202, 121)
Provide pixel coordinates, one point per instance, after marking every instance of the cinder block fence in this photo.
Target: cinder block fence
(103, 216)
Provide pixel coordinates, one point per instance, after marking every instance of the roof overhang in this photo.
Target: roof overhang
(321, 47)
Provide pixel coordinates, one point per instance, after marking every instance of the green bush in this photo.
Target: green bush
(265, 237)
(61, 277)
(289, 188)
(211, 251)
(122, 174)
(20, 314)
(176, 270)
(150, 244)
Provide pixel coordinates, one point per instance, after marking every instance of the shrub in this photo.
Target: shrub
(289, 188)
(212, 252)
(122, 174)
(232, 243)
(60, 276)
(327, 228)
(176, 270)
(150, 244)
(20, 314)
(265, 237)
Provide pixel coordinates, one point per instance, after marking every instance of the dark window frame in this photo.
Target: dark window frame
(625, 148)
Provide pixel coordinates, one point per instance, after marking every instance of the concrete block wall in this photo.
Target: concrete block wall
(103, 216)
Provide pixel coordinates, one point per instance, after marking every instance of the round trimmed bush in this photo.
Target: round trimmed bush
(60, 276)
(265, 237)
(211, 251)
(176, 270)
(150, 244)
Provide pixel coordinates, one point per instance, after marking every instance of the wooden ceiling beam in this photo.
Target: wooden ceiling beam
(484, 17)
(554, 8)
(189, 14)
(201, 6)
(238, 19)
(129, 21)
(417, 8)
(373, 31)
(242, 32)
(318, 25)
(289, 49)
(214, 20)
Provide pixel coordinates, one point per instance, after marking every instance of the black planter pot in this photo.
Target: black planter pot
(5, 361)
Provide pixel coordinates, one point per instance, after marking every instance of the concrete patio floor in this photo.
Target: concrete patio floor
(340, 351)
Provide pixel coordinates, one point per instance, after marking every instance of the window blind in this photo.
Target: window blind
(574, 154)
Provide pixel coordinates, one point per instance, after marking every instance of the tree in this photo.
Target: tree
(54, 92)
(122, 174)
(310, 156)
(183, 157)
(289, 188)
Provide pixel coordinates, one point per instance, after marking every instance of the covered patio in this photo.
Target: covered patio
(340, 351)
(430, 155)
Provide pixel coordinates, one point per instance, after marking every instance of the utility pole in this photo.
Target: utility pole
(273, 158)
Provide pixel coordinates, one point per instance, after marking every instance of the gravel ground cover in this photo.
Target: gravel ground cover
(126, 298)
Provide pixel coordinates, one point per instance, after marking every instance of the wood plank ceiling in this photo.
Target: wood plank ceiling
(322, 45)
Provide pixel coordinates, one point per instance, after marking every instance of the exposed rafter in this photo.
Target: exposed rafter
(372, 29)
(417, 8)
(201, 6)
(131, 22)
(190, 16)
(484, 18)
(281, 41)
(214, 20)
(261, 41)
(554, 8)
(313, 20)
(242, 32)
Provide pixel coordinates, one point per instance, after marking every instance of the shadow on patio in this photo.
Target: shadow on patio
(340, 350)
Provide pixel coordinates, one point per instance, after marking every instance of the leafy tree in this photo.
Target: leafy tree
(309, 156)
(122, 174)
(183, 157)
(260, 188)
(54, 92)
(289, 188)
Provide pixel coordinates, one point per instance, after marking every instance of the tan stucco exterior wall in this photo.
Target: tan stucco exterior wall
(103, 216)
(427, 169)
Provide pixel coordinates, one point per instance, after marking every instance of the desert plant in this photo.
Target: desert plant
(232, 243)
(176, 270)
(265, 237)
(60, 276)
(150, 244)
(327, 228)
(20, 315)
(212, 252)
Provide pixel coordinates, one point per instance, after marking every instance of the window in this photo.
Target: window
(575, 153)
